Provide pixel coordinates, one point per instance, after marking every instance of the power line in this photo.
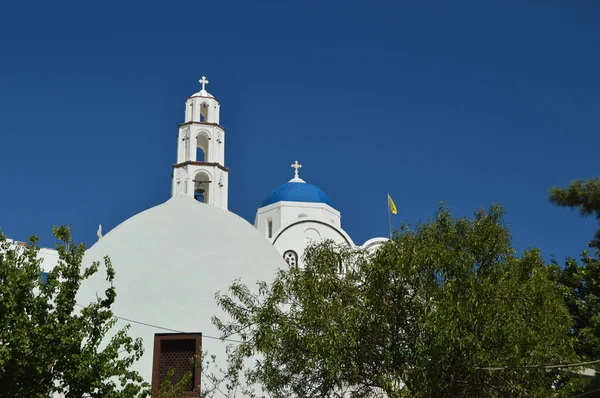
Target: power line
(566, 365)
(490, 368)
(168, 329)
(171, 330)
(586, 393)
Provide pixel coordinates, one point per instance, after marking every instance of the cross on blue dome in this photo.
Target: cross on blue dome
(296, 190)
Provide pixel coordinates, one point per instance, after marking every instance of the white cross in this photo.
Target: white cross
(203, 81)
(296, 166)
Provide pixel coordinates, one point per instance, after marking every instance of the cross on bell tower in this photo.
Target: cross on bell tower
(204, 82)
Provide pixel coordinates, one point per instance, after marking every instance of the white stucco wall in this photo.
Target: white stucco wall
(283, 213)
(296, 224)
(374, 243)
(170, 261)
(48, 256)
(299, 234)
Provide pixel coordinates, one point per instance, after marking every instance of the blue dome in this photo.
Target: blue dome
(297, 192)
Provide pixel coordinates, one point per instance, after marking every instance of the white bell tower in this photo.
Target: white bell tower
(200, 170)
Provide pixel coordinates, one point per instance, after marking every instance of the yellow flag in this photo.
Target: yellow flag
(392, 206)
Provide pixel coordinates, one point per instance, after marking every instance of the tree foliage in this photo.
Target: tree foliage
(582, 297)
(48, 343)
(216, 381)
(582, 195)
(423, 316)
(581, 281)
(582, 278)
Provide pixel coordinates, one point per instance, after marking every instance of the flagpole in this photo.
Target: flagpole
(389, 213)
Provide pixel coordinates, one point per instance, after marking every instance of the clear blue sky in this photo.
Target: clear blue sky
(466, 102)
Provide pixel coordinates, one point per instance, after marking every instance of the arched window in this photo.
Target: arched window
(341, 269)
(203, 112)
(202, 187)
(202, 154)
(302, 215)
(291, 258)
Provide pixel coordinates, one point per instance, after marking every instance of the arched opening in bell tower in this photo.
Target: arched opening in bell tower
(203, 112)
(202, 147)
(202, 184)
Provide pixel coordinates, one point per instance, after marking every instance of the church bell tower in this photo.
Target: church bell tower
(200, 170)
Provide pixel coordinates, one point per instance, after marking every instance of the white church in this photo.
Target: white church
(291, 216)
(171, 259)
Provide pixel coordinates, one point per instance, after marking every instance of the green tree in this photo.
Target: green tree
(431, 314)
(49, 344)
(217, 382)
(582, 195)
(582, 279)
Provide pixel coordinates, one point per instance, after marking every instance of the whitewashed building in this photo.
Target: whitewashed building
(171, 259)
(297, 213)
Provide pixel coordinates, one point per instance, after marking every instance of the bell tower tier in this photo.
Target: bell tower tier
(200, 170)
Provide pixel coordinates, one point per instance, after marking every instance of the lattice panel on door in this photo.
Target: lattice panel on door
(177, 355)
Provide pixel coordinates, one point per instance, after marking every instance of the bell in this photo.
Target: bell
(199, 191)
(199, 188)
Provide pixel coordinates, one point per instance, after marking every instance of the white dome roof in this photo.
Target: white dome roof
(170, 261)
(203, 93)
